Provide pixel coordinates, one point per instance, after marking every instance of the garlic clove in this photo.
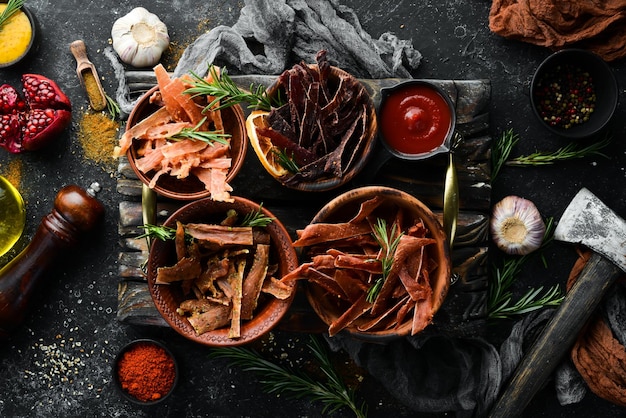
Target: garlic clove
(140, 38)
(517, 226)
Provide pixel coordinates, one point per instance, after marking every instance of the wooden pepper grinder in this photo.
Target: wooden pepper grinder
(75, 212)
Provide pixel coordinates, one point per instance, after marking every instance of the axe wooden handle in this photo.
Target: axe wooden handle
(598, 275)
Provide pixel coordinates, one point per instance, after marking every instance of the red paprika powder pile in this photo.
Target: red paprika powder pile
(146, 371)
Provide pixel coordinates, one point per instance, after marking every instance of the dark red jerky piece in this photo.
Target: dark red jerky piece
(326, 118)
(300, 155)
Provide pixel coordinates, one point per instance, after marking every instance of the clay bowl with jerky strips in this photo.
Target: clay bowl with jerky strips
(376, 264)
(335, 135)
(182, 183)
(218, 283)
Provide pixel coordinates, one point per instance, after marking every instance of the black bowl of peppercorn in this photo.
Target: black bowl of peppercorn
(145, 372)
(574, 93)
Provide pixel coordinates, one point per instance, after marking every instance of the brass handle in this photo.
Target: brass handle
(451, 195)
(148, 207)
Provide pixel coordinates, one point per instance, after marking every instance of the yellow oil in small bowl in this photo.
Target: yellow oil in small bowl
(16, 37)
(12, 215)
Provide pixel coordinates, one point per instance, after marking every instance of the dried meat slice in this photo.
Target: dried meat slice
(326, 282)
(354, 312)
(179, 241)
(216, 268)
(408, 246)
(386, 320)
(417, 287)
(214, 180)
(422, 315)
(160, 117)
(151, 160)
(186, 268)
(253, 282)
(357, 262)
(277, 288)
(319, 233)
(220, 235)
(352, 283)
(164, 131)
(217, 316)
(235, 280)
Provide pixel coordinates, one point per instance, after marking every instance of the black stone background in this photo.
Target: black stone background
(76, 308)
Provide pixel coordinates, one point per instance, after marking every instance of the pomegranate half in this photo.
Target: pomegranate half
(34, 121)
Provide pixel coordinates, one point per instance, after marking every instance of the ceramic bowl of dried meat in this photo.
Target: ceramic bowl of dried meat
(376, 264)
(219, 283)
(191, 169)
(333, 136)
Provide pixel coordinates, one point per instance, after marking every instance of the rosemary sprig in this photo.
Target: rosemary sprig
(13, 6)
(275, 379)
(112, 107)
(503, 146)
(164, 233)
(388, 242)
(500, 304)
(256, 218)
(531, 301)
(196, 135)
(226, 92)
(502, 150)
(285, 161)
(569, 152)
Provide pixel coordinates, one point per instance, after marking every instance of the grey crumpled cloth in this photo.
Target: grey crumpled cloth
(442, 373)
(431, 374)
(272, 35)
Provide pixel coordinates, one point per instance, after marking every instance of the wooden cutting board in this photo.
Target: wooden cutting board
(464, 311)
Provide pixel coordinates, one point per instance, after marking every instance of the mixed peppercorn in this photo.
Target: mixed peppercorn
(565, 96)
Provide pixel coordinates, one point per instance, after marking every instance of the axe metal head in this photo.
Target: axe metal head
(588, 221)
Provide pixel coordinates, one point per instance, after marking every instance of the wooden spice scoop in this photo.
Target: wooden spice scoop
(586, 221)
(88, 76)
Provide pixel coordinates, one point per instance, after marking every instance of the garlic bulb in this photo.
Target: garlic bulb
(139, 38)
(517, 226)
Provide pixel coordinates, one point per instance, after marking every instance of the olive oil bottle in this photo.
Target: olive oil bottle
(12, 215)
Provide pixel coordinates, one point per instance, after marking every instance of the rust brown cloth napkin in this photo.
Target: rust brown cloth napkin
(596, 25)
(599, 353)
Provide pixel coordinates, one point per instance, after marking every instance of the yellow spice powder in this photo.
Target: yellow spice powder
(98, 136)
(96, 100)
(13, 173)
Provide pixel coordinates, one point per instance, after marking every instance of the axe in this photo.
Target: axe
(587, 221)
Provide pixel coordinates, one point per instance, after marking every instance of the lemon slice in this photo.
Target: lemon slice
(262, 145)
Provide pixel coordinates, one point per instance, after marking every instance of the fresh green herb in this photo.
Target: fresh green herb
(502, 150)
(286, 162)
(164, 233)
(256, 218)
(13, 6)
(196, 135)
(504, 144)
(226, 92)
(388, 243)
(112, 107)
(275, 379)
(569, 152)
(500, 303)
